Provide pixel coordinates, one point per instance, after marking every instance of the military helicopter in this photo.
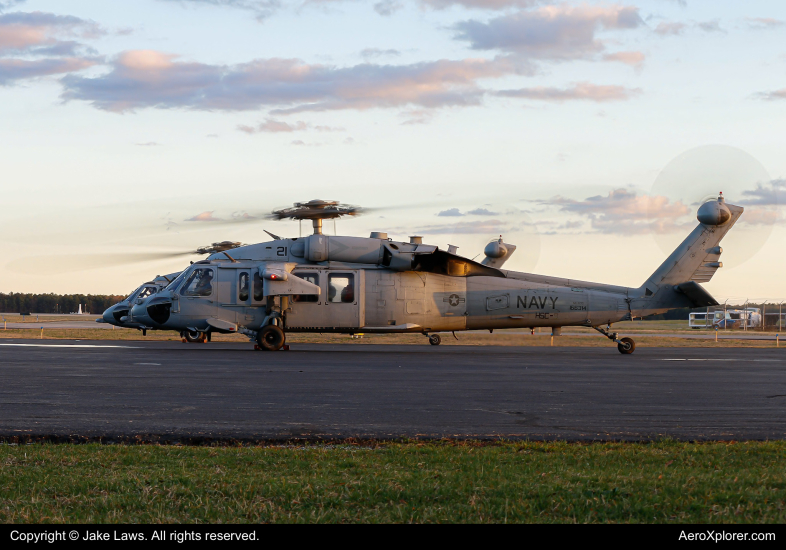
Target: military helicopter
(346, 284)
(118, 314)
(120, 310)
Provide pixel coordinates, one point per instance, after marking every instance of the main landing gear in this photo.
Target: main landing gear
(271, 338)
(624, 345)
(434, 339)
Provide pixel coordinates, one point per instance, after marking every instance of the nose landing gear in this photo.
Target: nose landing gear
(194, 336)
(624, 345)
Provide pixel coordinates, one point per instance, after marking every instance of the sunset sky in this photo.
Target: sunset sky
(586, 133)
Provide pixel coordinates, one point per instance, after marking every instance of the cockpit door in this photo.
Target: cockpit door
(198, 293)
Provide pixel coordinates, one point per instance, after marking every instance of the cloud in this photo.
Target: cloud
(147, 78)
(262, 9)
(549, 32)
(37, 32)
(772, 193)
(670, 28)
(376, 52)
(764, 23)
(773, 95)
(480, 4)
(455, 212)
(417, 116)
(148, 144)
(204, 217)
(276, 126)
(4, 5)
(634, 59)
(626, 213)
(12, 70)
(710, 26)
(582, 91)
(387, 7)
(42, 44)
(479, 227)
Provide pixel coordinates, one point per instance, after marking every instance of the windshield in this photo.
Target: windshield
(174, 284)
(199, 283)
(133, 294)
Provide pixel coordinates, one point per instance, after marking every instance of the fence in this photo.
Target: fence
(762, 317)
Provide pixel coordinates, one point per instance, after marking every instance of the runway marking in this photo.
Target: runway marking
(714, 360)
(156, 364)
(66, 346)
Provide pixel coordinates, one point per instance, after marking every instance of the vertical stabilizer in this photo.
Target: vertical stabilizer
(698, 256)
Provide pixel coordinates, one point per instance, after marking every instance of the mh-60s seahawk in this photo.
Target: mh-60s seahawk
(341, 284)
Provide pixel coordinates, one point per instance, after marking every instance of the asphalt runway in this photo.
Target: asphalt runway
(172, 391)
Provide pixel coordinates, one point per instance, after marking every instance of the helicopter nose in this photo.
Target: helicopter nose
(113, 314)
(139, 315)
(153, 312)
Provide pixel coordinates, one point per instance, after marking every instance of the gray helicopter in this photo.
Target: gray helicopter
(345, 284)
(118, 314)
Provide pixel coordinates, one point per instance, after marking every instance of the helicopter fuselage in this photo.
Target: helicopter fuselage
(449, 293)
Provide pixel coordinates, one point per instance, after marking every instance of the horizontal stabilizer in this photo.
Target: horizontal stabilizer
(696, 294)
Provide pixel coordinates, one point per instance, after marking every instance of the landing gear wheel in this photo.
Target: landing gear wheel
(271, 338)
(626, 345)
(434, 339)
(194, 337)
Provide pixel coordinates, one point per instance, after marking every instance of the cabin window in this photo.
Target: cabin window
(312, 278)
(242, 286)
(341, 288)
(199, 283)
(259, 290)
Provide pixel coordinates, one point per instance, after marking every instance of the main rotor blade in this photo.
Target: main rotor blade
(69, 263)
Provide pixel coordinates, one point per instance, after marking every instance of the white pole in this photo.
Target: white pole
(745, 315)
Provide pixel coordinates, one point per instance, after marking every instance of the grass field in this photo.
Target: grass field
(396, 482)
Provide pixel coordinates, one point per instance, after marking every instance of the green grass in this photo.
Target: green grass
(395, 482)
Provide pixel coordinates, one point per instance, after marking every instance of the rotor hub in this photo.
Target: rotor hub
(316, 211)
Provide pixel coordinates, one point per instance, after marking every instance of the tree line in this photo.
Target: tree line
(55, 303)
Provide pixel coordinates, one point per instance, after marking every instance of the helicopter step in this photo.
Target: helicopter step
(624, 345)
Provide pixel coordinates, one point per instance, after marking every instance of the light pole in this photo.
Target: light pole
(780, 317)
(724, 314)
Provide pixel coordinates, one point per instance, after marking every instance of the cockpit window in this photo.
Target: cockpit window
(243, 286)
(147, 291)
(174, 284)
(258, 288)
(132, 296)
(199, 283)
